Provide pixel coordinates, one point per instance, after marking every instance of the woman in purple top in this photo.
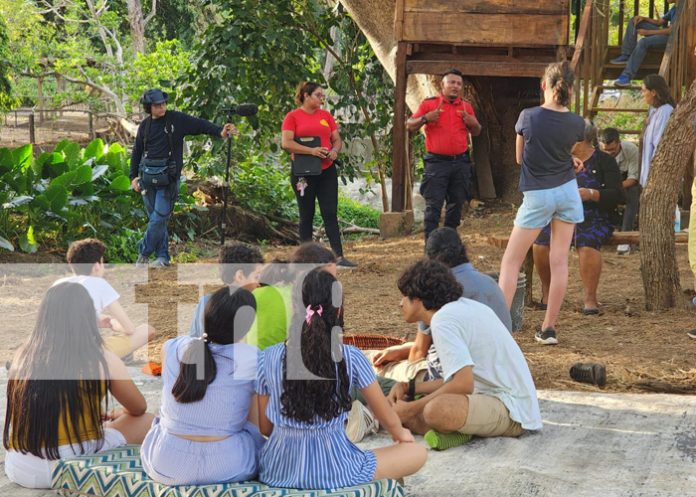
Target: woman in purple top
(546, 136)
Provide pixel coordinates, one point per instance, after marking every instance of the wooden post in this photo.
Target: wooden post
(32, 128)
(399, 131)
(90, 118)
(621, 21)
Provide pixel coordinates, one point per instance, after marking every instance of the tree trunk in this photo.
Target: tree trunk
(657, 204)
(137, 25)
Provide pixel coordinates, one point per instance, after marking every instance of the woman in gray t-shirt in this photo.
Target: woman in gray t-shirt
(545, 137)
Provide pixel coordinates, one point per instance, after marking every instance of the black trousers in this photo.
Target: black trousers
(324, 188)
(445, 180)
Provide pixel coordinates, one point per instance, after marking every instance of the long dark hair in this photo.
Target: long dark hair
(328, 396)
(559, 79)
(59, 378)
(658, 84)
(221, 325)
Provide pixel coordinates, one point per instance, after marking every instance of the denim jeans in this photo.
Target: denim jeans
(637, 49)
(159, 204)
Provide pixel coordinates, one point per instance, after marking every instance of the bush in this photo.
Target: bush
(353, 212)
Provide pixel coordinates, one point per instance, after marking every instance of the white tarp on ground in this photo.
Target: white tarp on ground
(592, 445)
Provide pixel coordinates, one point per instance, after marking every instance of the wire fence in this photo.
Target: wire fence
(49, 126)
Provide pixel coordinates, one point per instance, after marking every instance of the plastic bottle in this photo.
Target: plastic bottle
(677, 220)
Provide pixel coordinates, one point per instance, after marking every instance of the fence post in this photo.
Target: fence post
(91, 124)
(32, 129)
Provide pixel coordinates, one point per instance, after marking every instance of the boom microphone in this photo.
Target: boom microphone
(244, 110)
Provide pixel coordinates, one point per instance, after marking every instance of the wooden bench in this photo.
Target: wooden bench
(618, 238)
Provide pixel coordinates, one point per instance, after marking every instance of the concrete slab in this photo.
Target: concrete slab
(593, 444)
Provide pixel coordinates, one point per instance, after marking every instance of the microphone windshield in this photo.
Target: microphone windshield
(246, 110)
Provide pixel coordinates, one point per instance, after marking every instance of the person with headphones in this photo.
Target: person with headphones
(155, 168)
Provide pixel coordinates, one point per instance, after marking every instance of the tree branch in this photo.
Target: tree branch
(152, 13)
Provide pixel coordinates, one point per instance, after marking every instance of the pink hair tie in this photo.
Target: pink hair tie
(311, 312)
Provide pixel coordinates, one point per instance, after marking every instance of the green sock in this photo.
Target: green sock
(444, 441)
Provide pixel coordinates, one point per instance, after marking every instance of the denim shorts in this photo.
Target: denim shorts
(540, 206)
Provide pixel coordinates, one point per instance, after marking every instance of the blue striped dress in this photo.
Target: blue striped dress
(311, 455)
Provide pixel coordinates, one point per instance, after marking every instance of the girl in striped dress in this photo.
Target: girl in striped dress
(202, 435)
(304, 399)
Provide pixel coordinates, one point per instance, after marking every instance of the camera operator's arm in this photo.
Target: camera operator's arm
(189, 125)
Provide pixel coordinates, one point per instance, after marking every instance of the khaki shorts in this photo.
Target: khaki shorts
(488, 417)
(120, 345)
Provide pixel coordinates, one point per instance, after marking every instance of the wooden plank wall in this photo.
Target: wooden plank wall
(483, 22)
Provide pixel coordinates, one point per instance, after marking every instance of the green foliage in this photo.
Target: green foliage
(71, 193)
(258, 182)
(351, 211)
(7, 100)
(268, 52)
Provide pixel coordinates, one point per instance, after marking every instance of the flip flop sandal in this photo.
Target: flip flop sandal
(590, 312)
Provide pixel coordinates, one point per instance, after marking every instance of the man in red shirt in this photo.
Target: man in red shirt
(448, 120)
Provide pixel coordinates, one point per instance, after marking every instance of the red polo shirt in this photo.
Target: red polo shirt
(448, 135)
(320, 123)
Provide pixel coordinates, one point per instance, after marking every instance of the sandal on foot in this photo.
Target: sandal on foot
(540, 306)
(587, 311)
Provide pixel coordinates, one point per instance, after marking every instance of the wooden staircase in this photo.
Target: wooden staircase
(592, 56)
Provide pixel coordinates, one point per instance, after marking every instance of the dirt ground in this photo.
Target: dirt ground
(643, 351)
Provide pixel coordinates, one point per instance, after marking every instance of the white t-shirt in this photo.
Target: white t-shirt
(468, 333)
(102, 293)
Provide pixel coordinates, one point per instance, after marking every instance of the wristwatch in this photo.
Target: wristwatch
(423, 120)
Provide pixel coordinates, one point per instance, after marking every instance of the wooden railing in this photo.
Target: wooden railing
(675, 62)
(593, 40)
(590, 50)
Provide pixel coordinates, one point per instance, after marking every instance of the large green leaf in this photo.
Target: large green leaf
(57, 197)
(120, 184)
(27, 242)
(71, 152)
(95, 149)
(66, 180)
(116, 148)
(46, 165)
(6, 161)
(6, 244)
(23, 156)
(83, 174)
(17, 201)
(99, 171)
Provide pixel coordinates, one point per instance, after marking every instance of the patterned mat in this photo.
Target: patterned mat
(119, 473)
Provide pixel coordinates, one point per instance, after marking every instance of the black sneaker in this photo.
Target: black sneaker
(345, 263)
(546, 337)
(692, 333)
(589, 372)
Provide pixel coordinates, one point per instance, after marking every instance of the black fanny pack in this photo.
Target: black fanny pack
(157, 172)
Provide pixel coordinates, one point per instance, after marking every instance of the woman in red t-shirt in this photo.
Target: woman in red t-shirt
(309, 119)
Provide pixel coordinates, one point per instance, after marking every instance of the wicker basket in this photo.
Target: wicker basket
(371, 342)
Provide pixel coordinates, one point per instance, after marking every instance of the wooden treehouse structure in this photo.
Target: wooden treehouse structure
(518, 39)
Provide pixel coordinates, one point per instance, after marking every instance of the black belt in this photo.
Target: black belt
(465, 155)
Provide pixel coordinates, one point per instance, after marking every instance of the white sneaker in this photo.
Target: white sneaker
(623, 249)
(361, 422)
